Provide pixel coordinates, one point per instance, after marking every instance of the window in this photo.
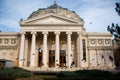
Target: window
(62, 51)
(84, 49)
(51, 51)
(0, 40)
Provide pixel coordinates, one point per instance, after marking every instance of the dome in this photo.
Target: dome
(57, 10)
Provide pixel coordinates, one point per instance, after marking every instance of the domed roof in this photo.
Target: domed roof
(57, 10)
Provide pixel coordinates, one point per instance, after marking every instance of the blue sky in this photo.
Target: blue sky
(100, 13)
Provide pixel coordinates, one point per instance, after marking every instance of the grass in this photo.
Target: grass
(21, 74)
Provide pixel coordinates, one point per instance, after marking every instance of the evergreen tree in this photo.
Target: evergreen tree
(115, 29)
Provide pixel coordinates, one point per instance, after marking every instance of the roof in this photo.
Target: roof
(58, 10)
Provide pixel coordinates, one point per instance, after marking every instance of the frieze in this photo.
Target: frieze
(8, 40)
(102, 47)
(8, 47)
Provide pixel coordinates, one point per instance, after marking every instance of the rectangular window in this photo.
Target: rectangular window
(62, 51)
(84, 49)
(51, 51)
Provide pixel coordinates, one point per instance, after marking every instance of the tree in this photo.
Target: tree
(115, 29)
(118, 8)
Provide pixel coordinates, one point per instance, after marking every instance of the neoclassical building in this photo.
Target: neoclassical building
(55, 38)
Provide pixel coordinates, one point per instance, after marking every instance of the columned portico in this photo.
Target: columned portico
(22, 49)
(57, 50)
(69, 55)
(45, 53)
(32, 54)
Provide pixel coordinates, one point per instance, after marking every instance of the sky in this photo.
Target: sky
(97, 14)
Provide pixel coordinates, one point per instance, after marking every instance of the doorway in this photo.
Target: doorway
(40, 58)
(62, 58)
(51, 58)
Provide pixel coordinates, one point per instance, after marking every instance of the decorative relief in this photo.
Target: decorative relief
(100, 41)
(13, 41)
(107, 41)
(4, 54)
(11, 54)
(6, 41)
(93, 41)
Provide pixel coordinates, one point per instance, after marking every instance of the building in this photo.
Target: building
(55, 38)
(6, 63)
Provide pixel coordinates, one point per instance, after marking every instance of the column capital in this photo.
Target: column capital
(22, 32)
(69, 32)
(33, 32)
(57, 32)
(45, 32)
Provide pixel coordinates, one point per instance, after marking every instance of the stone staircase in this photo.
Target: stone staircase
(54, 69)
(51, 69)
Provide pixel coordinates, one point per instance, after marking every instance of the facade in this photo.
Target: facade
(55, 38)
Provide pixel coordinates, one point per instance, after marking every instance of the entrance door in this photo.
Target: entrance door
(51, 58)
(62, 58)
(40, 57)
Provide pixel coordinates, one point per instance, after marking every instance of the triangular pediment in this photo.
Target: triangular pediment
(50, 19)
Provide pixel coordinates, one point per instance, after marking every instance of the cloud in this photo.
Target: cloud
(98, 12)
(9, 25)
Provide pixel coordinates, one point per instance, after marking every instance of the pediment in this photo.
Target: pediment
(50, 19)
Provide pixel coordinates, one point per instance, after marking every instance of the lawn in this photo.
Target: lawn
(21, 74)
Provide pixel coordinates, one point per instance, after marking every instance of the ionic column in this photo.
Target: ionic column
(21, 49)
(45, 53)
(32, 55)
(69, 60)
(80, 56)
(57, 53)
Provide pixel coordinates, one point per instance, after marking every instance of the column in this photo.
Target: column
(57, 50)
(45, 53)
(80, 56)
(21, 49)
(32, 55)
(97, 57)
(69, 60)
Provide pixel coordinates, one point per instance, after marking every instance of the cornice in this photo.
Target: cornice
(71, 24)
(92, 34)
(9, 33)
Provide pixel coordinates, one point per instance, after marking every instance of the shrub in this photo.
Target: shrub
(61, 74)
(12, 73)
(94, 74)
